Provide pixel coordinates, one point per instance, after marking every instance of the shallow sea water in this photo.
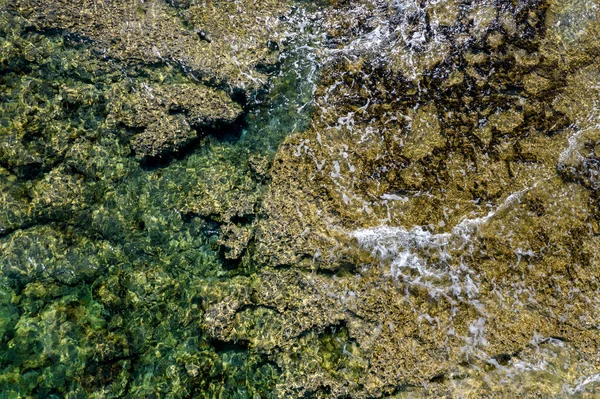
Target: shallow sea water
(395, 125)
(131, 243)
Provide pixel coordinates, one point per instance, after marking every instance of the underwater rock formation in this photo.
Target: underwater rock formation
(460, 180)
(163, 137)
(170, 115)
(389, 198)
(221, 43)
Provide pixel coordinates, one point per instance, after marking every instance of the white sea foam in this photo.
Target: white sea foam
(582, 385)
(417, 249)
(439, 263)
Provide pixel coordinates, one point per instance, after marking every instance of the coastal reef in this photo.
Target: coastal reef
(267, 199)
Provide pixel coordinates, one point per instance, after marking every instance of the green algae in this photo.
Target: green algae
(176, 224)
(106, 262)
(102, 262)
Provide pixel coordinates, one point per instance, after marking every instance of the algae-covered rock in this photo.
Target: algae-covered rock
(259, 165)
(428, 228)
(506, 121)
(15, 206)
(153, 32)
(223, 191)
(475, 244)
(235, 239)
(248, 32)
(43, 119)
(44, 253)
(573, 31)
(424, 135)
(99, 265)
(163, 137)
(579, 162)
(169, 115)
(146, 104)
(61, 195)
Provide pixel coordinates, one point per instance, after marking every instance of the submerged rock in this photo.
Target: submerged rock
(152, 32)
(424, 135)
(146, 104)
(170, 115)
(163, 137)
(45, 253)
(432, 231)
(433, 217)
